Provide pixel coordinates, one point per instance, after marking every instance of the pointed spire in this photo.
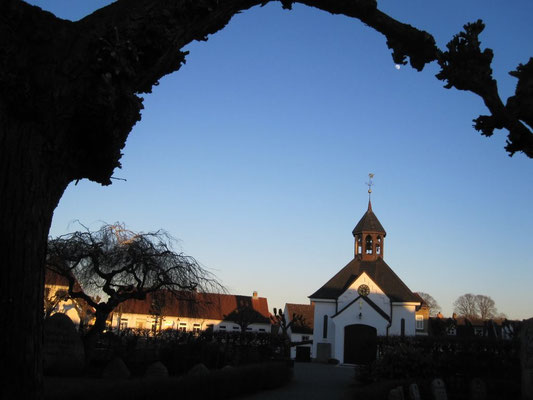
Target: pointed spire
(369, 222)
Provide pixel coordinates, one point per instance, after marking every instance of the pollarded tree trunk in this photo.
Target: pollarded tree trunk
(28, 195)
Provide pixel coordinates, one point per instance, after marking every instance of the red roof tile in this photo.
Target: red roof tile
(198, 305)
(307, 311)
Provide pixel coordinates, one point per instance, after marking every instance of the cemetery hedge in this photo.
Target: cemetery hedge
(457, 360)
(221, 384)
(235, 364)
(180, 351)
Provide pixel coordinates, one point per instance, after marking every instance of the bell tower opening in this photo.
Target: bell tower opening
(368, 245)
(358, 245)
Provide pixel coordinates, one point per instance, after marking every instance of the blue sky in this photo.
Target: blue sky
(256, 153)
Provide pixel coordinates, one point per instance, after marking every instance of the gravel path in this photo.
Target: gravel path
(313, 381)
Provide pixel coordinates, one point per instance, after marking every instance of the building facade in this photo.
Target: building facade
(300, 331)
(193, 312)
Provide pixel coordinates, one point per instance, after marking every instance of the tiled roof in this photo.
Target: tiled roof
(53, 278)
(377, 270)
(307, 311)
(200, 305)
(369, 223)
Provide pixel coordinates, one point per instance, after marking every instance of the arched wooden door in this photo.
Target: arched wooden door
(360, 344)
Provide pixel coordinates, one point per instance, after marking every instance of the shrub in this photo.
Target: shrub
(403, 361)
(220, 384)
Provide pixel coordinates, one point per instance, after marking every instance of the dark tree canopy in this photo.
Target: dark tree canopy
(70, 93)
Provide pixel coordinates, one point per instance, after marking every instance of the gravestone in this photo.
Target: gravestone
(396, 394)
(116, 369)
(156, 370)
(414, 393)
(198, 370)
(438, 390)
(323, 352)
(478, 389)
(526, 357)
(63, 353)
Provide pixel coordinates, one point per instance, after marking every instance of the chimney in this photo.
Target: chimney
(254, 296)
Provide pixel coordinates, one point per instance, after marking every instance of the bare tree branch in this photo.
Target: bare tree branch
(124, 267)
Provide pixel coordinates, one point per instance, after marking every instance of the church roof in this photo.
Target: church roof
(377, 270)
(369, 222)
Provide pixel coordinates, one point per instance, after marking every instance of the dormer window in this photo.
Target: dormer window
(368, 244)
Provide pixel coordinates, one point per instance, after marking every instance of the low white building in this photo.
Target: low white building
(301, 330)
(55, 296)
(363, 300)
(194, 312)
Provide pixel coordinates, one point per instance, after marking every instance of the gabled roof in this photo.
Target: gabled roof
(200, 305)
(369, 223)
(377, 270)
(307, 311)
(52, 278)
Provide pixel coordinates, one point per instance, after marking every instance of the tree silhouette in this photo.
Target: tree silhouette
(280, 321)
(486, 307)
(475, 306)
(432, 304)
(70, 92)
(465, 306)
(122, 265)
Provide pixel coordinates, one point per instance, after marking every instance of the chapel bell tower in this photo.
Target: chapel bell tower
(368, 233)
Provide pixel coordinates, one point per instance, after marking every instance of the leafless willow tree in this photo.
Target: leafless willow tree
(118, 264)
(70, 93)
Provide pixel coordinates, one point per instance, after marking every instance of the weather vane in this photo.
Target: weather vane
(370, 184)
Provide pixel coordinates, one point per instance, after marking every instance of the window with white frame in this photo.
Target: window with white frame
(169, 325)
(123, 323)
(182, 326)
(305, 338)
(196, 328)
(419, 322)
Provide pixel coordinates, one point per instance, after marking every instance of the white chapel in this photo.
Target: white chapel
(364, 299)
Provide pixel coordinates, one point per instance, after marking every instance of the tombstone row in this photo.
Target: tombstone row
(477, 391)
